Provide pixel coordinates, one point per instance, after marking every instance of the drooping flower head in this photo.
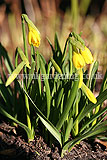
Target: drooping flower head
(78, 60)
(33, 36)
(87, 55)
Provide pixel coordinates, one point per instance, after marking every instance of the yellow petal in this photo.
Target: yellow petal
(34, 36)
(88, 93)
(87, 55)
(78, 60)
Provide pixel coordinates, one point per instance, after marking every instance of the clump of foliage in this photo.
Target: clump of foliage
(55, 96)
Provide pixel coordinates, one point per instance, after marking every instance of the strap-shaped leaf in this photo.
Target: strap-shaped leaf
(3, 112)
(93, 70)
(70, 57)
(65, 49)
(60, 95)
(31, 73)
(101, 98)
(104, 83)
(57, 45)
(68, 129)
(38, 68)
(15, 73)
(7, 97)
(52, 129)
(48, 93)
(6, 58)
(97, 131)
(99, 122)
(23, 57)
(93, 118)
(58, 69)
(51, 46)
(68, 104)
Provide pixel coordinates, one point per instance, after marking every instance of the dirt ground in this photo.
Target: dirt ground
(14, 147)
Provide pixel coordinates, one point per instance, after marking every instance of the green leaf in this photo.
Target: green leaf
(6, 58)
(68, 104)
(42, 58)
(47, 87)
(97, 131)
(58, 69)
(57, 45)
(51, 46)
(52, 129)
(101, 98)
(65, 63)
(58, 53)
(23, 57)
(31, 73)
(99, 122)
(58, 100)
(49, 67)
(68, 129)
(104, 83)
(65, 49)
(93, 70)
(7, 97)
(38, 67)
(70, 58)
(15, 73)
(3, 112)
(93, 118)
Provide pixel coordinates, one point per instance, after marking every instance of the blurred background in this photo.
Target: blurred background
(61, 16)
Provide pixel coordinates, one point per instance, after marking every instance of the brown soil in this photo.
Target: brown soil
(14, 147)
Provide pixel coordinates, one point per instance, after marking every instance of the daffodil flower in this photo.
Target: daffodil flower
(88, 93)
(78, 60)
(34, 36)
(86, 54)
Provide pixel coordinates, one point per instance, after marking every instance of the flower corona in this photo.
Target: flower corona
(78, 60)
(34, 36)
(87, 55)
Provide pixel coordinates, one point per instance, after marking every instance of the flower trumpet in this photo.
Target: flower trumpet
(86, 54)
(34, 36)
(78, 60)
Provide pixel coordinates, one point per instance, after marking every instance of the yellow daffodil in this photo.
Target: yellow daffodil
(78, 60)
(87, 55)
(34, 36)
(88, 93)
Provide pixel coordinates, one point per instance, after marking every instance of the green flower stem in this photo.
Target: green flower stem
(32, 53)
(27, 112)
(70, 57)
(25, 71)
(24, 37)
(76, 128)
